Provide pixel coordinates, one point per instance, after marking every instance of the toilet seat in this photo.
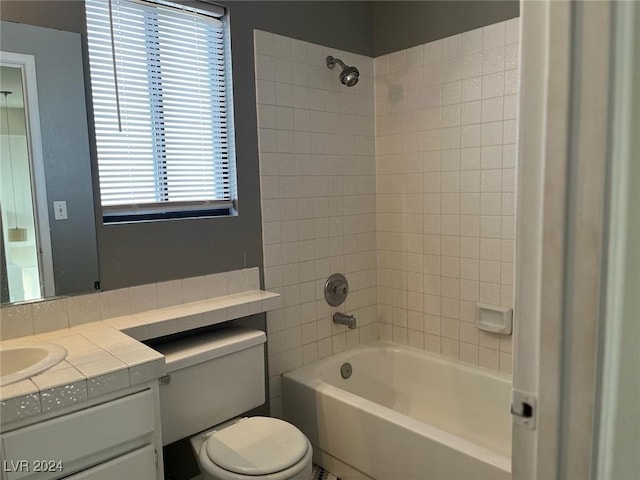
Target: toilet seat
(258, 448)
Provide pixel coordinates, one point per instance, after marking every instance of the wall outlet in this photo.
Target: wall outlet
(60, 210)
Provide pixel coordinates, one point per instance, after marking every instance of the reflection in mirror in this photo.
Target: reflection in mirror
(26, 260)
(45, 160)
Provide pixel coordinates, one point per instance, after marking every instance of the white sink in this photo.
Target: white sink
(24, 361)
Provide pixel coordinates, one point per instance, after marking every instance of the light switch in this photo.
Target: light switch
(60, 210)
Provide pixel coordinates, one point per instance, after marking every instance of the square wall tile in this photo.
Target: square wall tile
(84, 309)
(16, 321)
(50, 315)
(414, 184)
(143, 298)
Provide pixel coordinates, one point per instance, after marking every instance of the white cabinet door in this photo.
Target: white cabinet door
(137, 465)
(82, 438)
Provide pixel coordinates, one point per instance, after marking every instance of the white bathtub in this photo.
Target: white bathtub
(403, 414)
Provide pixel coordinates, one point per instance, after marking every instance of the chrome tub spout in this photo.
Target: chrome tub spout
(344, 319)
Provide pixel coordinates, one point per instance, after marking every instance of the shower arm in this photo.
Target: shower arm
(331, 62)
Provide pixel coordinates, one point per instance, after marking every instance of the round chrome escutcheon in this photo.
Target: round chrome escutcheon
(336, 289)
(346, 370)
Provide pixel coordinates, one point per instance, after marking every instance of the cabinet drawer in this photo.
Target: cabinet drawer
(72, 438)
(140, 464)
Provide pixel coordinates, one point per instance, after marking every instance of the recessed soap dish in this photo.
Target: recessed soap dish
(494, 319)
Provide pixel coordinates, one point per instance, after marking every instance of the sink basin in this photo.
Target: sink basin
(24, 361)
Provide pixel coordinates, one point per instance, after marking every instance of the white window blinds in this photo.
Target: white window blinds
(160, 99)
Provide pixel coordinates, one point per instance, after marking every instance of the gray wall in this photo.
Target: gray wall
(342, 25)
(63, 124)
(61, 15)
(133, 254)
(398, 25)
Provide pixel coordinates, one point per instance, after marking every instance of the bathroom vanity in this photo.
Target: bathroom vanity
(112, 436)
(96, 413)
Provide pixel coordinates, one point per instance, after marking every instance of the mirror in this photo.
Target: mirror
(45, 160)
(26, 260)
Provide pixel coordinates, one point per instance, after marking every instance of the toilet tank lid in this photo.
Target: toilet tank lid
(189, 351)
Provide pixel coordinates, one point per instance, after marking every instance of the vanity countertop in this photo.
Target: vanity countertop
(106, 356)
(100, 360)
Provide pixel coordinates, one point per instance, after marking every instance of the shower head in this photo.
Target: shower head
(349, 75)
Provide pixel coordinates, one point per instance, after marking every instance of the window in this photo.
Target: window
(161, 84)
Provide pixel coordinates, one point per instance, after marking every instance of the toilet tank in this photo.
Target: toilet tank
(211, 378)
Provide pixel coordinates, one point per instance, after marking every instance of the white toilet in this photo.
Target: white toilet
(211, 379)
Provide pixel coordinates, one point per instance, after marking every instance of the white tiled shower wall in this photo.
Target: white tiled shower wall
(445, 164)
(407, 187)
(317, 169)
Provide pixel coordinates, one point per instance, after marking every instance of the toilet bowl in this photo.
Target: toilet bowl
(254, 448)
(212, 378)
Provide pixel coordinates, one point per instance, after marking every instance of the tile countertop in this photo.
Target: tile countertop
(103, 359)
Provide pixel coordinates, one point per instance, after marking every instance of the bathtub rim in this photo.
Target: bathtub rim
(387, 345)
(303, 376)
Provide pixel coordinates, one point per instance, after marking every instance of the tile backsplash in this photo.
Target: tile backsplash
(445, 163)
(47, 315)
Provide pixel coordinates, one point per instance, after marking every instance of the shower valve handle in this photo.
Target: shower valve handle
(336, 289)
(340, 290)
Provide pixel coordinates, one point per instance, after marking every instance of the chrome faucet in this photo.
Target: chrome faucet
(344, 319)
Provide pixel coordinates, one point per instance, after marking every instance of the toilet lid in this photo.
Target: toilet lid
(257, 446)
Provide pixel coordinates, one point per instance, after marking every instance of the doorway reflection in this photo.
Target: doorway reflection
(21, 278)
